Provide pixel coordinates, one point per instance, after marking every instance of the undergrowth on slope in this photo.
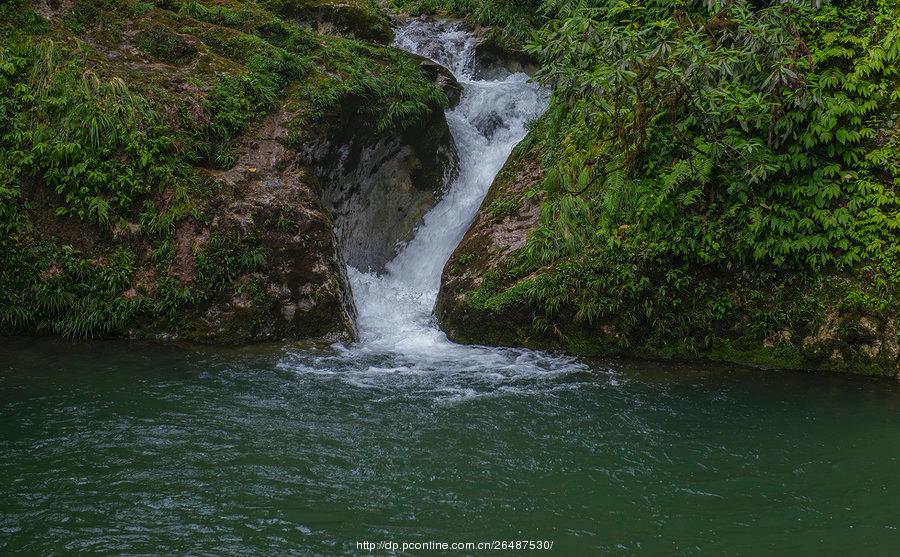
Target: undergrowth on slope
(714, 169)
(112, 115)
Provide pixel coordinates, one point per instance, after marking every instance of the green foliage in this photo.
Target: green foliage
(226, 257)
(57, 290)
(166, 45)
(723, 139)
(218, 265)
(112, 114)
(83, 135)
(244, 16)
(504, 206)
(386, 87)
(728, 134)
(716, 174)
(363, 19)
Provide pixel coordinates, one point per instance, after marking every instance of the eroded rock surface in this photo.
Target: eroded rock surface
(380, 186)
(493, 61)
(302, 291)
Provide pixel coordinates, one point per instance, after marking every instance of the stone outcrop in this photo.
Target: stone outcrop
(491, 239)
(302, 290)
(380, 186)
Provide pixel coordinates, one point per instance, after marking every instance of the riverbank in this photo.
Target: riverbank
(207, 171)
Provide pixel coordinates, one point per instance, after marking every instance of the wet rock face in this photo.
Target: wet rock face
(444, 79)
(444, 41)
(493, 61)
(489, 124)
(302, 291)
(379, 187)
(844, 336)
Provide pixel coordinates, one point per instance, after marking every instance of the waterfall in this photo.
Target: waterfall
(395, 309)
(398, 332)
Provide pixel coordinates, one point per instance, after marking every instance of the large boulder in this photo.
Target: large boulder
(380, 185)
(301, 290)
(495, 235)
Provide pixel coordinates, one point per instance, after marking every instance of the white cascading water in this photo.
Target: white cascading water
(398, 334)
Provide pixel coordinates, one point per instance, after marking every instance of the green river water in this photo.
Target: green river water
(118, 448)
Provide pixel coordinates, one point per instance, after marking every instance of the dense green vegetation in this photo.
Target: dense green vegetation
(113, 114)
(718, 175)
(715, 175)
(733, 135)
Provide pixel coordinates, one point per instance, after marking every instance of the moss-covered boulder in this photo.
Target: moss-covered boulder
(362, 19)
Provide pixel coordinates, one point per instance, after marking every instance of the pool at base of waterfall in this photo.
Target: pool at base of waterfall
(143, 449)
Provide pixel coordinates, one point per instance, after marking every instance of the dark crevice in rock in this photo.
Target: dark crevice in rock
(494, 61)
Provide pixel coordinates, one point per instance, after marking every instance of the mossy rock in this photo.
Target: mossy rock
(362, 19)
(165, 45)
